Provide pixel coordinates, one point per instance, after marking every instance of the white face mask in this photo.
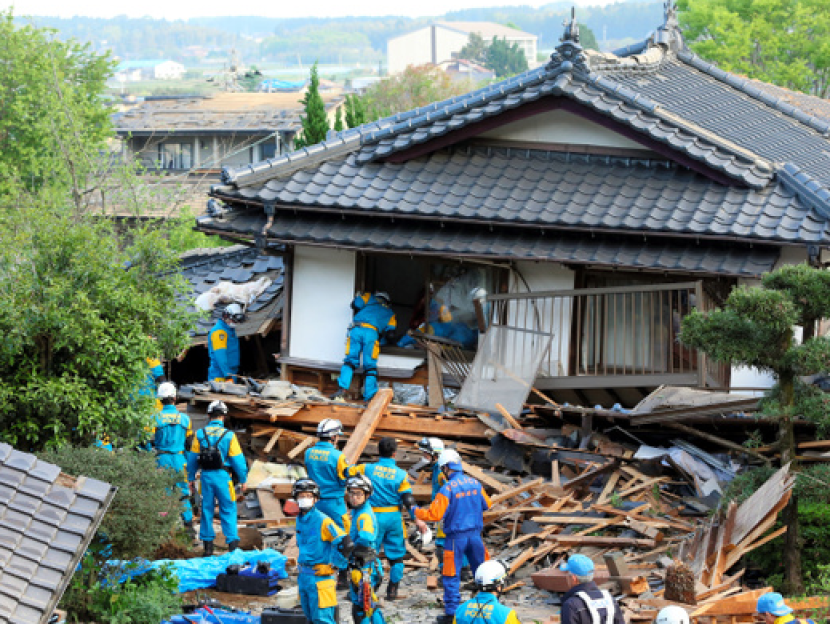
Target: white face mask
(305, 503)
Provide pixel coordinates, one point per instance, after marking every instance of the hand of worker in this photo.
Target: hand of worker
(244, 488)
(421, 526)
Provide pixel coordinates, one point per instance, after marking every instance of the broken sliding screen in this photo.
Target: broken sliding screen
(504, 369)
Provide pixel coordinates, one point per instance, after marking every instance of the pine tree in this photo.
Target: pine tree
(315, 122)
(355, 111)
(338, 120)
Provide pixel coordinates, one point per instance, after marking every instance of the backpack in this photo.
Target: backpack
(210, 458)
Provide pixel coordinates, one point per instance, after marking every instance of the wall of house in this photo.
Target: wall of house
(323, 286)
(413, 48)
(560, 126)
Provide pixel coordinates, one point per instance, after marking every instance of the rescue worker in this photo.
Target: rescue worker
(391, 492)
(215, 451)
(672, 614)
(366, 574)
(461, 504)
(327, 467)
(484, 607)
(168, 436)
(585, 603)
(773, 610)
(155, 377)
(223, 345)
(324, 547)
(373, 322)
(432, 449)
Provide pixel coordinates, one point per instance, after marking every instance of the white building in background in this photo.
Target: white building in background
(169, 70)
(151, 69)
(441, 41)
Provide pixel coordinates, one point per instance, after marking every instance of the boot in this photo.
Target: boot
(466, 575)
(342, 579)
(208, 549)
(233, 545)
(357, 614)
(444, 619)
(392, 591)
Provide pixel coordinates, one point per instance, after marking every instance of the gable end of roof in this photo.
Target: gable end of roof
(808, 189)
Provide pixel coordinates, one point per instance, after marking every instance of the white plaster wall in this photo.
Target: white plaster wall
(448, 42)
(559, 126)
(413, 48)
(323, 287)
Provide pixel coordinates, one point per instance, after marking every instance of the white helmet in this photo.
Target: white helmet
(421, 540)
(234, 313)
(490, 575)
(672, 615)
(383, 296)
(451, 458)
(167, 390)
(328, 428)
(217, 407)
(433, 446)
(478, 293)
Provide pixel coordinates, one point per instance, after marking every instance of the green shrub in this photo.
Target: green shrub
(146, 509)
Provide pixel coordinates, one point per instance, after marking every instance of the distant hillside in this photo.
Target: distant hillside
(332, 40)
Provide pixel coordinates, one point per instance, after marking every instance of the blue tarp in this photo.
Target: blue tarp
(202, 616)
(202, 572)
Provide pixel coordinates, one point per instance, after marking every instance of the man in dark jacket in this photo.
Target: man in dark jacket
(585, 603)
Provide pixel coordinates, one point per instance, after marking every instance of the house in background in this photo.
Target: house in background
(466, 72)
(568, 217)
(442, 41)
(156, 69)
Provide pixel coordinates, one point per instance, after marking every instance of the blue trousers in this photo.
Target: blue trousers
(456, 546)
(318, 597)
(362, 341)
(335, 508)
(391, 533)
(177, 464)
(217, 486)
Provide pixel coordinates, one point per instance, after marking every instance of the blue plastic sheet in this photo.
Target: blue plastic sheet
(202, 572)
(202, 616)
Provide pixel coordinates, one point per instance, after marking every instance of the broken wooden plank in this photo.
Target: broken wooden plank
(586, 540)
(293, 453)
(478, 473)
(508, 417)
(272, 441)
(271, 508)
(367, 424)
(520, 489)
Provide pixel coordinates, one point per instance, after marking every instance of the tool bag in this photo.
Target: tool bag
(210, 458)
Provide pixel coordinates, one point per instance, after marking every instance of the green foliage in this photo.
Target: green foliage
(784, 42)
(414, 87)
(503, 58)
(146, 509)
(315, 122)
(355, 111)
(99, 592)
(181, 235)
(475, 49)
(338, 120)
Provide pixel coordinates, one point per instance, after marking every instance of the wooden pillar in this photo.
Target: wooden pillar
(435, 376)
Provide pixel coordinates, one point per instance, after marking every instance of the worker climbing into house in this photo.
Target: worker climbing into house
(327, 467)
(484, 607)
(324, 547)
(223, 345)
(391, 492)
(168, 437)
(374, 322)
(584, 602)
(215, 452)
(461, 504)
(364, 566)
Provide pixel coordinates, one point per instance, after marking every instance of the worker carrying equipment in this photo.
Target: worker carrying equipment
(365, 573)
(216, 453)
(223, 345)
(374, 322)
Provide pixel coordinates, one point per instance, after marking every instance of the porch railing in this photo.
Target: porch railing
(620, 331)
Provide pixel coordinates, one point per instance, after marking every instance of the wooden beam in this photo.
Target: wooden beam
(272, 441)
(585, 540)
(292, 454)
(508, 417)
(524, 487)
(478, 473)
(367, 424)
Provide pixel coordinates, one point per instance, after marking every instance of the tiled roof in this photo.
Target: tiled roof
(428, 237)
(45, 528)
(547, 189)
(239, 264)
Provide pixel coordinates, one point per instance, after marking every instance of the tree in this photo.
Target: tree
(338, 120)
(414, 87)
(315, 121)
(505, 59)
(355, 112)
(755, 328)
(475, 49)
(78, 306)
(785, 42)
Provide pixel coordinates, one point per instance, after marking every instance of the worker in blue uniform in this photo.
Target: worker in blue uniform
(374, 322)
(168, 437)
(432, 449)
(215, 451)
(324, 547)
(364, 565)
(327, 467)
(223, 345)
(484, 607)
(155, 376)
(461, 504)
(392, 491)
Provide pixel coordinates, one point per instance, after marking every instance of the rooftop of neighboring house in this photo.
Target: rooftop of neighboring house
(142, 64)
(224, 112)
(487, 30)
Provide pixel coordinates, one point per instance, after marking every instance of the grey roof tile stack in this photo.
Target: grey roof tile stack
(45, 527)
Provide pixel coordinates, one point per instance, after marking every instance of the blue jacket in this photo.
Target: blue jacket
(390, 482)
(370, 311)
(223, 348)
(228, 446)
(328, 468)
(485, 608)
(170, 430)
(317, 536)
(438, 479)
(461, 503)
(364, 526)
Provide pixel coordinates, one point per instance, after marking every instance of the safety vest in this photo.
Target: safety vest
(595, 604)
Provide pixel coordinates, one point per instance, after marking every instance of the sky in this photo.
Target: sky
(182, 9)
